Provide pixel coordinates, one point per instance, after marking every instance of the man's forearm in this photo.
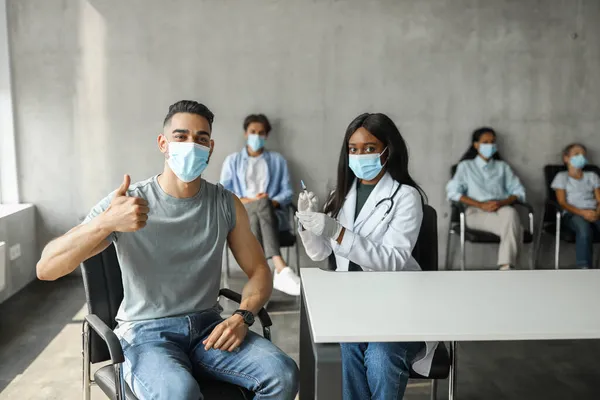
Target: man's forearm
(62, 255)
(257, 291)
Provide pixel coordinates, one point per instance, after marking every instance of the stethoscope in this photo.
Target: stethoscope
(389, 201)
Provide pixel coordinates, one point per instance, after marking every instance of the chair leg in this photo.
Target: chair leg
(433, 389)
(557, 241)
(85, 336)
(119, 382)
(463, 260)
(452, 377)
(538, 240)
(532, 246)
(448, 264)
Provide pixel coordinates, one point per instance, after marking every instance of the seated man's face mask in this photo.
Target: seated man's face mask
(187, 160)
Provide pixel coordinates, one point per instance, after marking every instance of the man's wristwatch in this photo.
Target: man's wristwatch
(246, 315)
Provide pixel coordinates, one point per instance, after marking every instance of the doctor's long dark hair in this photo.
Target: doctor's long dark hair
(384, 129)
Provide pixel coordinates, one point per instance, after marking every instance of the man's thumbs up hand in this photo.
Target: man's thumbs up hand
(126, 214)
(122, 190)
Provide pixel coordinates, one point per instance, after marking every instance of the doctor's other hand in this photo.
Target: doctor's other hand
(308, 202)
(320, 224)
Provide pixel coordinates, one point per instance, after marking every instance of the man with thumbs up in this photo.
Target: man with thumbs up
(169, 232)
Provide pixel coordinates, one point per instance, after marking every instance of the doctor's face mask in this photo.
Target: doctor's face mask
(367, 155)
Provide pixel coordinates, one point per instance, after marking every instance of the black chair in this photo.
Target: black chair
(104, 293)
(458, 226)
(552, 217)
(287, 240)
(426, 254)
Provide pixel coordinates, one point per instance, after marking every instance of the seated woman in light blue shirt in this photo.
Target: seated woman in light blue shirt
(488, 186)
(578, 193)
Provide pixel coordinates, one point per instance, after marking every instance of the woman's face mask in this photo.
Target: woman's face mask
(366, 166)
(487, 150)
(187, 160)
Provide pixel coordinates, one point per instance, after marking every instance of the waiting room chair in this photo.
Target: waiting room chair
(552, 216)
(426, 254)
(458, 226)
(104, 293)
(287, 240)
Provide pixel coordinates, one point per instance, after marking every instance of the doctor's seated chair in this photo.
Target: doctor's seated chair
(104, 293)
(458, 226)
(287, 240)
(426, 254)
(553, 212)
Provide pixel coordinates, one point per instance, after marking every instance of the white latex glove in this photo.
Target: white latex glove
(308, 202)
(320, 224)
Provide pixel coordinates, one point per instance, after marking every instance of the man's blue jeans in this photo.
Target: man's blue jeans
(164, 358)
(584, 238)
(377, 371)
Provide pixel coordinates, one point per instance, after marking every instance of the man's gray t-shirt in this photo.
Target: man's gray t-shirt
(579, 192)
(172, 266)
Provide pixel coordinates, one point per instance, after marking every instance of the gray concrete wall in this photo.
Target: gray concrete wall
(18, 227)
(93, 80)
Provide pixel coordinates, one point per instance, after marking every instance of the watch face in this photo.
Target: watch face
(247, 316)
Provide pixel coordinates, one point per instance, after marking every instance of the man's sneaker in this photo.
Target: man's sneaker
(287, 281)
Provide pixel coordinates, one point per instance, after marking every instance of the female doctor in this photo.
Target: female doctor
(371, 223)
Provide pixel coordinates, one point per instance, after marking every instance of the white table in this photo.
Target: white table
(438, 306)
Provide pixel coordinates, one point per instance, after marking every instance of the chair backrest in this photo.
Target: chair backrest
(104, 292)
(454, 212)
(550, 172)
(426, 249)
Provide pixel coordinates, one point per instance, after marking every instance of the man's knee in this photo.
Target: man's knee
(264, 203)
(167, 386)
(282, 376)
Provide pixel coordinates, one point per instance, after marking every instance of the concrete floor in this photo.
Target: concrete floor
(40, 349)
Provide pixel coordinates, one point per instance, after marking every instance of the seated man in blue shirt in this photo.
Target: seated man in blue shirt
(488, 186)
(261, 180)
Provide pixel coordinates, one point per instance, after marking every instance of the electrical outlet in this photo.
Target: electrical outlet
(14, 252)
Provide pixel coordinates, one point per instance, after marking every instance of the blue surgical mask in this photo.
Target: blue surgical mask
(487, 149)
(366, 166)
(256, 142)
(187, 160)
(578, 161)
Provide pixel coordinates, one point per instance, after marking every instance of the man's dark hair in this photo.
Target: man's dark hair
(257, 118)
(191, 107)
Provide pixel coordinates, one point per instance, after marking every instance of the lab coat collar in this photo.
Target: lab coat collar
(383, 189)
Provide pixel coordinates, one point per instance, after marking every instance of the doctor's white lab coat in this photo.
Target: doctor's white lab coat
(377, 242)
